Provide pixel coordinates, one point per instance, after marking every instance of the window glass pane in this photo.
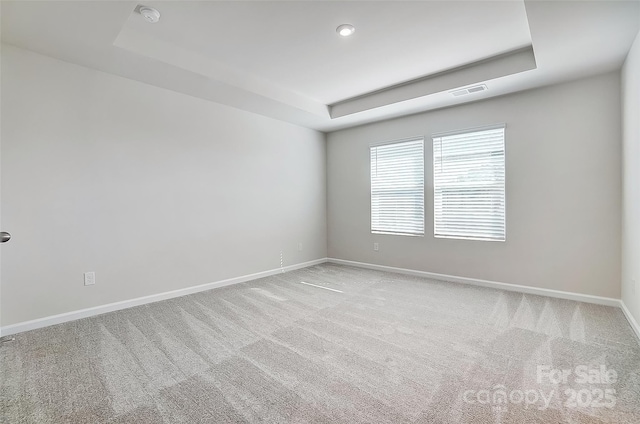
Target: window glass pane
(469, 185)
(397, 188)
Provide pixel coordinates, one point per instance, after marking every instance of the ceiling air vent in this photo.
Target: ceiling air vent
(468, 90)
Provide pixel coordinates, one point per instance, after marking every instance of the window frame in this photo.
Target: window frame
(438, 135)
(421, 139)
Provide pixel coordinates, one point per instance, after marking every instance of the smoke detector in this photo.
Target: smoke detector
(469, 90)
(149, 14)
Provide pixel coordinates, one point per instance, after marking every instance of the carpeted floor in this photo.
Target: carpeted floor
(378, 348)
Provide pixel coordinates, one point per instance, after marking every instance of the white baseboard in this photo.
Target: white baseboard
(102, 309)
(110, 307)
(608, 301)
(631, 319)
(587, 298)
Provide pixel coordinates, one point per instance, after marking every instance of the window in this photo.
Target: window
(469, 184)
(397, 188)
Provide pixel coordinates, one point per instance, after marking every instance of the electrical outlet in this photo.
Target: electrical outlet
(89, 278)
(299, 247)
(376, 247)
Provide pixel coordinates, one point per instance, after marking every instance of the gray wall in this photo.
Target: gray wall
(631, 181)
(151, 189)
(563, 148)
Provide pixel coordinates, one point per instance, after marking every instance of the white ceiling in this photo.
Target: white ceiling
(294, 44)
(285, 60)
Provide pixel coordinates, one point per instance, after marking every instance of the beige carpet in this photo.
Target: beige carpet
(379, 348)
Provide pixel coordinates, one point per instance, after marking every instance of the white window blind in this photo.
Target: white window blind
(397, 188)
(469, 184)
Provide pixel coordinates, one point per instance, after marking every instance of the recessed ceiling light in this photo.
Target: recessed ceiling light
(345, 30)
(150, 14)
